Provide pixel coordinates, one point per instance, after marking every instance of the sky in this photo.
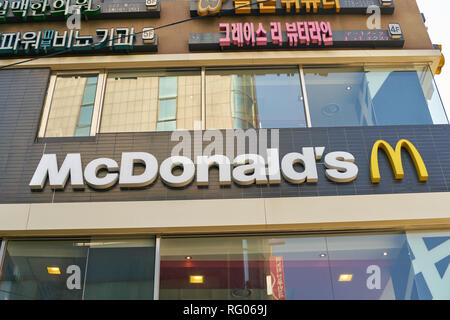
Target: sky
(437, 21)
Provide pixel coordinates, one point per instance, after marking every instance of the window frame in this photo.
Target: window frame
(99, 95)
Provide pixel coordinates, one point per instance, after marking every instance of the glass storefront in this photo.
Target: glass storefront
(369, 266)
(331, 267)
(78, 269)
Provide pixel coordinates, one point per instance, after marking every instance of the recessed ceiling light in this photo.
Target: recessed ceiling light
(53, 270)
(345, 277)
(330, 109)
(196, 279)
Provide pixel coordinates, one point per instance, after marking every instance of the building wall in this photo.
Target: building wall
(251, 208)
(174, 39)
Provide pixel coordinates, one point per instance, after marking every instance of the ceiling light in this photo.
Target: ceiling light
(322, 255)
(188, 258)
(385, 253)
(345, 277)
(53, 270)
(348, 88)
(330, 109)
(196, 279)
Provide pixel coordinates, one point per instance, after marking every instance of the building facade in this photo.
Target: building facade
(261, 150)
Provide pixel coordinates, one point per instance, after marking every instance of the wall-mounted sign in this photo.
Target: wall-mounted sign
(289, 7)
(45, 41)
(295, 35)
(57, 10)
(244, 169)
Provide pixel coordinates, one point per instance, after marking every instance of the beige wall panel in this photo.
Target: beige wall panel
(370, 209)
(13, 216)
(399, 211)
(377, 57)
(151, 214)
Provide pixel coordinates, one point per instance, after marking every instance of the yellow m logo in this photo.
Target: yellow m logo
(209, 6)
(395, 158)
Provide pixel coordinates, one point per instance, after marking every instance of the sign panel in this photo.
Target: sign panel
(295, 35)
(243, 170)
(287, 7)
(46, 41)
(60, 10)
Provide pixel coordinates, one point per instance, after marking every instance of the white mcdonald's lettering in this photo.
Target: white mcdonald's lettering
(245, 169)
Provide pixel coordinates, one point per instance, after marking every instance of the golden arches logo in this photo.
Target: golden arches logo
(395, 158)
(209, 6)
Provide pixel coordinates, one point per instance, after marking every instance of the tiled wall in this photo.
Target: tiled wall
(22, 94)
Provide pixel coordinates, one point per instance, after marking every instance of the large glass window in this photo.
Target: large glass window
(161, 100)
(240, 98)
(367, 266)
(367, 96)
(254, 98)
(72, 106)
(78, 269)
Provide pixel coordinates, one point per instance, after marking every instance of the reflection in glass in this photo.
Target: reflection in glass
(357, 96)
(254, 98)
(265, 267)
(72, 106)
(78, 269)
(430, 255)
(25, 275)
(137, 101)
(120, 269)
(245, 268)
(370, 267)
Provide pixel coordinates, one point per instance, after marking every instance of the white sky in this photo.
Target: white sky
(438, 23)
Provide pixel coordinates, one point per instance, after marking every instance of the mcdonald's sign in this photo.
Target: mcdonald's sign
(395, 159)
(441, 62)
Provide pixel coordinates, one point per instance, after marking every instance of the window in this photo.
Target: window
(167, 97)
(78, 269)
(163, 100)
(240, 98)
(72, 104)
(254, 98)
(352, 266)
(357, 96)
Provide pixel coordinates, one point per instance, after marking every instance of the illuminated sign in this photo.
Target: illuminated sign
(395, 158)
(244, 169)
(57, 10)
(290, 35)
(281, 7)
(298, 33)
(45, 41)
